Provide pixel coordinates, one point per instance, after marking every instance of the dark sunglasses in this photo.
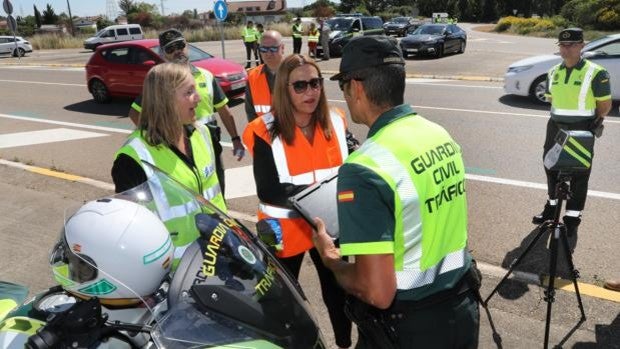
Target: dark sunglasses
(179, 45)
(301, 86)
(272, 49)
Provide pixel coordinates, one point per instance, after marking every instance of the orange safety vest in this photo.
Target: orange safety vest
(300, 163)
(259, 88)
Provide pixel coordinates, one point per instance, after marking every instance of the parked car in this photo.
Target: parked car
(344, 28)
(434, 39)
(7, 46)
(399, 25)
(114, 33)
(119, 69)
(528, 77)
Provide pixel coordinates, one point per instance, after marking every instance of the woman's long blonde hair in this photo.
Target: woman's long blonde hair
(159, 119)
(282, 106)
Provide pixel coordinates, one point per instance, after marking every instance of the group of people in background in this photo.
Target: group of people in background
(251, 35)
(428, 297)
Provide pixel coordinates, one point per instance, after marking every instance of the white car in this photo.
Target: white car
(7, 46)
(528, 77)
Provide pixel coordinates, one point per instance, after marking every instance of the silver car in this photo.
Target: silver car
(528, 77)
(7, 46)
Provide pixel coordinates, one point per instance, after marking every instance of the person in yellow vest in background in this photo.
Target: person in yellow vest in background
(412, 283)
(313, 40)
(250, 40)
(169, 137)
(297, 34)
(261, 79)
(259, 34)
(580, 96)
(175, 49)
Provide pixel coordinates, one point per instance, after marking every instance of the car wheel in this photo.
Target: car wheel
(462, 47)
(20, 52)
(99, 91)
(439, 51)
(538, 89)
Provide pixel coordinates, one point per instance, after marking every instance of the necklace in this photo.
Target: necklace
(306, 125)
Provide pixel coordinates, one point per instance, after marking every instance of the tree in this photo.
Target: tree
(347, 6)
(195, 14)
(127, 6)
(49, 16)
(37, 16)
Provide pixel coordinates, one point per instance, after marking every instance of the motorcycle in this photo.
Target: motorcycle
(228, 291)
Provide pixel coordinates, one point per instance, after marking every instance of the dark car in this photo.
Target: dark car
(434, 39)
(399, 25)
(119, 69)
(344, 28)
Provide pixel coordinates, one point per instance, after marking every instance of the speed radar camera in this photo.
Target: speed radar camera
(572, 152)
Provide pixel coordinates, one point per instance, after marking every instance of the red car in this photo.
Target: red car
(119, 69)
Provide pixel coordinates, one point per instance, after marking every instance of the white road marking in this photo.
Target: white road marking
(21, 139)
(63, 123)
(43, 83)
(431, 82)
(41, 67)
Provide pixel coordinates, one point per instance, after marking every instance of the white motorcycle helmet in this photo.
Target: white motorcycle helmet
(112, 249)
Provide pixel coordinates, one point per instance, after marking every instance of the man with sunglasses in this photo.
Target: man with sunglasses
(412, 282)
(580, 96)
(261, 79)
(174, 49)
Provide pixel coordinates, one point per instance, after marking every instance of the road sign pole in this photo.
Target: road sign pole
(219, 24)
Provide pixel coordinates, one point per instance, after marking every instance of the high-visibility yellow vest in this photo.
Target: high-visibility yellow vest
(249, 34)
(314, 36)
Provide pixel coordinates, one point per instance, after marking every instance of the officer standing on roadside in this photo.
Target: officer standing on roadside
(250, 40)
(400, 215)
(580, 96)
(297, 33)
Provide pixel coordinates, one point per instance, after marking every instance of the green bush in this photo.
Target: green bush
(608, 19)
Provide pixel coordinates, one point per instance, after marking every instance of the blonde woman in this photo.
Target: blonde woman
(299, 142)
(168, 137)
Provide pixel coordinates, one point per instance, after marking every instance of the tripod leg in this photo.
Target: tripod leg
(574, 272)
(550, 292)
(541, 230)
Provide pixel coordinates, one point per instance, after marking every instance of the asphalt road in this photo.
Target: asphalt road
(501, 137)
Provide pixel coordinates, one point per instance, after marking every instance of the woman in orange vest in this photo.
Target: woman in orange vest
(299, 142)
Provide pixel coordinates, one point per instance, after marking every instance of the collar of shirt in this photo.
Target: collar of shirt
(577, 66)
(389, 116)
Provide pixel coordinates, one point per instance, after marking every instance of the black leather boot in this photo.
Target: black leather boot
(572, 224)
(545, 215)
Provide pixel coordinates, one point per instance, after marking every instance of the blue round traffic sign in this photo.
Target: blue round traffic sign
(220, 10)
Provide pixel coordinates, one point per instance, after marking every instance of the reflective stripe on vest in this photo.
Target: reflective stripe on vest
(416, 228)
(204, 86)
(259, 89)
(568, 99)
(281, 161)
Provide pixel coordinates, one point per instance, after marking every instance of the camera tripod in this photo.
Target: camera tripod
(557, 231)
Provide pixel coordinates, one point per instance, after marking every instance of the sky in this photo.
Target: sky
(96, 7)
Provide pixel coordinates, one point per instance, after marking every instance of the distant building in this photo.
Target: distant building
(261, 11)
(51, 29)
(86, 24)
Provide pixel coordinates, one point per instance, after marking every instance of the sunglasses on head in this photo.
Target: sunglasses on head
(301, 86)
(265, 49)
(179, 45)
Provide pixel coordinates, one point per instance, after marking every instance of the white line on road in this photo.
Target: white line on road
(43, 83)
(40, 67)
(21, 139)
(64, 123)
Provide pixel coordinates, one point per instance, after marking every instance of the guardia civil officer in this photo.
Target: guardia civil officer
(580, 96)
(412, 267)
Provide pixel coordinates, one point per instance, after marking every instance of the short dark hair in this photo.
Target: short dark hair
(384, 85)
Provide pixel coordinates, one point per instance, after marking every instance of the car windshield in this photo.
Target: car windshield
(195, 54)
(340, 23)
(596, 43)
(429, 29)
(400, 20)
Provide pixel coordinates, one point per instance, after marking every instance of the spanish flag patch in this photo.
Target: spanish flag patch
(346, 196)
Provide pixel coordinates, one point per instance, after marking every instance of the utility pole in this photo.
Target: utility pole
(70, 18)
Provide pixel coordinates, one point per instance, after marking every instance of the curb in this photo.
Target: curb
(327, 72)
(485, 268)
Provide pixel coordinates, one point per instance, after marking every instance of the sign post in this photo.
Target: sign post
(8, 8)
(220, 9)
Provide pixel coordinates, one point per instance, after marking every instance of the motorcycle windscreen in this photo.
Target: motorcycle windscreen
(227, 288)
